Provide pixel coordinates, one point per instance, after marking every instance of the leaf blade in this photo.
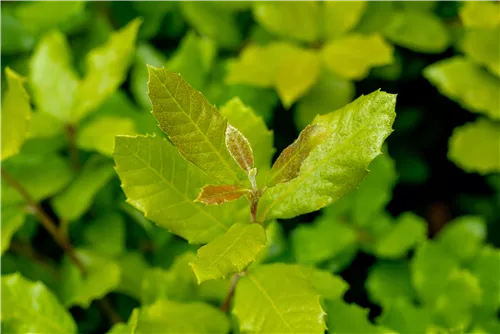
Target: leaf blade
(215, 195)
(239, 147)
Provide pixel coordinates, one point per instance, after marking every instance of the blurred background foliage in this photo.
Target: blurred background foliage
(439, 178)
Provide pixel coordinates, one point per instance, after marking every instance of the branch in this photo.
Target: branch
(70, 132)
(227, 301)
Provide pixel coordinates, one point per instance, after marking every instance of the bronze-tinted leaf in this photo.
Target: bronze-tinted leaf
(218, 194)
(239, 148)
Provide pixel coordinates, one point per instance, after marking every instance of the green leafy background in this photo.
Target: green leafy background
(414, 249)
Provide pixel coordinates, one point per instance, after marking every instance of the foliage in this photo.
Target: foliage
(217, 167)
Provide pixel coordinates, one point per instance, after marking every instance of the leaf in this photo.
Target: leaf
(389, 281)
(404, 317)
(297, 20)
(285, 300)
(129, 327)
(106, 69)
(16, 114)
(479, 14)
(239, 147)
(287, 166)
(153, 286)
(463, 237)
(291, 70)
(485, 267)
(12, 220)
(133, 270)
(417, 31)
(181, 281)
(166, 316)
(474, 147)
(329, 93)
(483, 46)
(44, 125)
(229, 253)
(431, 268)
(254, 129)
(466, 83)
(151, 170)
(215, 195)
(33, 308)
(99, 134)
(339, 17)
(375, 16)
(408, 231)
(275, 246)
(19, 39)
(322, 241)
(106, 234)
(336, 166)
(349, 318)
(195, 127)
(53, 82)
(325, 283)
(42, 176)
(77, 199)
(353, 55)
(102, 276)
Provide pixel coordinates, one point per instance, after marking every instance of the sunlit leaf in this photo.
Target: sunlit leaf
(480, 14)
(340, 17)
(325, 283)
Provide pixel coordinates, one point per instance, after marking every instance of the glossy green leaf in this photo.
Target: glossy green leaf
(291, 70)
(407, 232)
(480, 14)
(321, 241)
(389, 281)
(229, 253)
(106, 234)
(54, 83)
(253, 128)
(16, 114)
(431, 268)
(474, 147)
(485, 267)
(463, 237)
(353, 56)
(329, 93)
(192, 124)
(417, 31)
(133, 270)
(215, 22)
(297, 20)
(483, 46)
(151, 171)
(346, 318)
(166, 316)
(285, 300)
(99, 134)
(41, 175)
(336, 166)
(102, 276)
(340, 17)
(325, 283)
(106, 69)
(12, 220)
(404, 317)
(466, 83)
(73, 202)
(32, 307)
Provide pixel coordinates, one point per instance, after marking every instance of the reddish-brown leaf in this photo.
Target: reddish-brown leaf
(218, 194)
(239, 148)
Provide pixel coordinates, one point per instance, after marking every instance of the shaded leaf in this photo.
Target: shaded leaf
(463, 237)
(12, 220)
(402, 316)
(325, 283)
(483, 46)
(106, 234)
(215, 195)
(485, 267)
(389, 281)
(133, 271)
(346, 318)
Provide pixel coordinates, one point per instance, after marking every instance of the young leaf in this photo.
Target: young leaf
(161, 184)
(72, 203)
(194, 125)
(336, 166)
(52, 79)
(463, 237)
(467, 83)
(32, 308)
(239, 147)
(16, 114)
(171, 317)
(278, 298)
(229, 253)
(325, 283)
(215, 195)
(353, 56)
(288, 164)
(106, 68)
(474, 147)
(12, 220)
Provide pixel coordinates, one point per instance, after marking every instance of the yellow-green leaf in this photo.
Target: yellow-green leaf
(475, 147)
(161, 184)
(467, 83)
(12, 220)
(483, 46)
(354, 55)
(278, 298)
(350, 319)
(192, 124)
(340, 17)
(30, 307)
(229, 253)
(355, 135)
(325, 283)
(16, 114)
(480, 14)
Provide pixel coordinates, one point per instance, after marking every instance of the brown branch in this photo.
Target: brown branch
(227, 301)
(107, 307)
(74, 156)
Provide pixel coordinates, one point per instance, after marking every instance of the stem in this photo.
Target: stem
(234, 280)
(107, 307)
(70, 131)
